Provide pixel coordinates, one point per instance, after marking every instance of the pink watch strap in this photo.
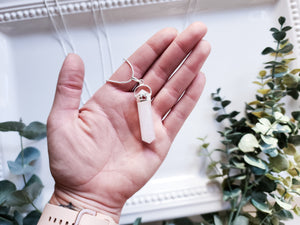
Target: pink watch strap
(57, 215)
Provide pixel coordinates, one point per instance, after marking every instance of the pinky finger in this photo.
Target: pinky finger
(180, 112)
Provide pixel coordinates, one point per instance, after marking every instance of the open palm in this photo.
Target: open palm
(96, 154)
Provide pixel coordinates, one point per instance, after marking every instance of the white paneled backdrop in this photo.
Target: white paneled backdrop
(31, 54)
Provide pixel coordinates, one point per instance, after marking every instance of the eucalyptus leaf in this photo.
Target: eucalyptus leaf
(296, 115)
(18, 217)
(33, 187)
(228, 195)
(283, 204)
(279, 36)
(287, 48)
(283, 214)
(34, 131)
(18, 198)
(29, 155)
(266, 185)
(241, 220)
(17, 169)
(28, 194)
(290, 80)
(217, 220)
(287, 28)
(225, 103)
(268, 50)
(4, 210)
(6, 221)
(290, 149)
(264, 127)
(6, 187)
(22, 164)
(296, 210)
(279, 163)
(220, 118)
(253, 161)
(11, 126)
(295, 140)
(261, 206)
(281, 20)
(33, 217)
(248, 143)
(274, 29)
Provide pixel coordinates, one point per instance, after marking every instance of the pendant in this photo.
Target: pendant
(143, 98)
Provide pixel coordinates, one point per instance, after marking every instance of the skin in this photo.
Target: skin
(96, 154)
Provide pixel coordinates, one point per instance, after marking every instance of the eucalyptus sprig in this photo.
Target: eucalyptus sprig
(11, 198)
(260, 166)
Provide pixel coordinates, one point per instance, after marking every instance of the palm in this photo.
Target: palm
(97, 152)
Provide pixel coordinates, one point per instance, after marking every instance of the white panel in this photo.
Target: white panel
(31, 56)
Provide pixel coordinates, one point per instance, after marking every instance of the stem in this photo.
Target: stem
(23, 176)
(246, 188)
(22, 156)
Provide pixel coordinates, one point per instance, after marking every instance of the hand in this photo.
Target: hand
(96, 154)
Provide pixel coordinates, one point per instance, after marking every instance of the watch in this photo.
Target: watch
(57, 215)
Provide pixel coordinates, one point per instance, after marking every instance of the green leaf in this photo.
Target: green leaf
(11, 126)
(286, 49)
(183, 221)
(279, 36)
(28, 194)
(18, 198)
(283, 214)
(290, 80)
(6, 187)
(241, 220)
(287, 28)
(279, 163)
(278, 75)
(217, 99)
(4, 210)
(217, 220)
(273, 29)
(290, 149)
(296, 115)
(283, 204)
(33, 187)
(225, 103)
(229, 195)
(256, 162)
(18, 217)
(23, 166)
(268, 50)
(281, 20)
(297, 210)
(295, 71)
(262, 73)
(261, 206)
(220, 118)
(216, 108)
(266, 185)
(248, 143)
(34, 131)
(33, 217)
(233, 114)
(295, 140)
(6, 221)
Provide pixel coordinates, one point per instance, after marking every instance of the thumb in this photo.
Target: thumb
(69, 86)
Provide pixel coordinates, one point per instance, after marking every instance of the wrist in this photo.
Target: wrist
(76, 202)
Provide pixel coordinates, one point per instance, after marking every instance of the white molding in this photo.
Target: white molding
(10, 12)
(180, 196)
(294, 6)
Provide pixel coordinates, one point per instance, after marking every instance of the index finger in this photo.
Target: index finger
(144, 57)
